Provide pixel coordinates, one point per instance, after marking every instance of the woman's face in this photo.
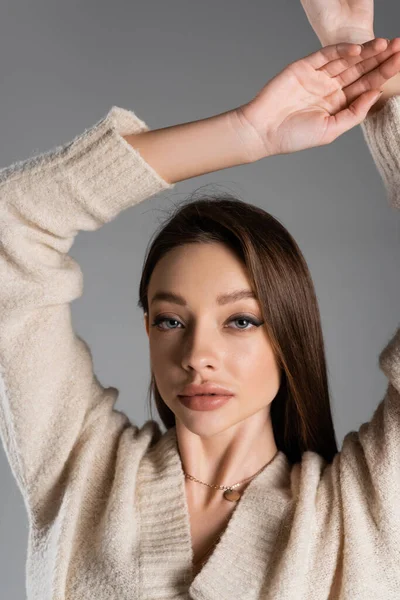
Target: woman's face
(205, 342)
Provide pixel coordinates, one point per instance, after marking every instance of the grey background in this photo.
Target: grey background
(64, 64)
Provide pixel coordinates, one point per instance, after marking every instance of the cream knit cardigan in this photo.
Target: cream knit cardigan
(108, 518)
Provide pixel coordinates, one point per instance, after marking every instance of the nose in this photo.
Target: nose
(201, 349)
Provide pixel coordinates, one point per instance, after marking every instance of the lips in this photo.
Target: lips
(205, 402)
(205, 390)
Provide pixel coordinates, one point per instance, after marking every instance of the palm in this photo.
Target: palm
(343, 18)
(316, 99)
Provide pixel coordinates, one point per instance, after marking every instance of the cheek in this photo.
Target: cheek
(159, 360)
(254, 367)
(165, 367)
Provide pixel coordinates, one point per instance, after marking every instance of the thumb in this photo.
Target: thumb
(353, 115)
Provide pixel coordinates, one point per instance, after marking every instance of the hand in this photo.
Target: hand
(337, 21)
(317, 98)
(349, 21)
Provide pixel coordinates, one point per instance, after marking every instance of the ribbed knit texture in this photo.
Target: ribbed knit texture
(108, 517)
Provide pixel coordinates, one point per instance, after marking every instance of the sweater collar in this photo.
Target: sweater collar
(239, 564)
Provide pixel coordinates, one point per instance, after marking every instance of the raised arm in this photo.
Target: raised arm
(368, 466)
(48, 391)
(49, 394)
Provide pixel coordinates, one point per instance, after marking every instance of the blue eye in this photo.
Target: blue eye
(254, 323)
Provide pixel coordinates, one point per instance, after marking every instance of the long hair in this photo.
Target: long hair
(300, 412)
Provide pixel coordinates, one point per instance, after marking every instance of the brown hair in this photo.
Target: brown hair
(300, 412)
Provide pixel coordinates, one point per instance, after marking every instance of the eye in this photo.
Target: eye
(245, 318)
(159, 320)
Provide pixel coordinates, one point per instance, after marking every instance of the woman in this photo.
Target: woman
(121, 511)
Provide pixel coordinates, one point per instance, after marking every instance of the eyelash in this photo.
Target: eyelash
(255, 324)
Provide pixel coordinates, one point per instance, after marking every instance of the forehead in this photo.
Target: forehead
(207, 270)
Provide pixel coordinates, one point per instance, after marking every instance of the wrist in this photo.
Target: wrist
(346, 34)
(254, 144)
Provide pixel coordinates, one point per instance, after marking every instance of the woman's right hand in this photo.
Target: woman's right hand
(316, 99)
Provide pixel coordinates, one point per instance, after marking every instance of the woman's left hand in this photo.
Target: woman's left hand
(337, 21)
(316, 99)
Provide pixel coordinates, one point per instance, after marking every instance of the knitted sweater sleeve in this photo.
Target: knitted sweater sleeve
(370, 458)
(48, 391)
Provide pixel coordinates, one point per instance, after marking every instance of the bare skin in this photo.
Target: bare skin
(337, 21)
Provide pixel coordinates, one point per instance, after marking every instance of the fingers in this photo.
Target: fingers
(345, 52)
(329, 53)
(349, 117)
(373, 71)
(375, 79)
(376, 51)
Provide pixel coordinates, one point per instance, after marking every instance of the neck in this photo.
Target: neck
(224, 457)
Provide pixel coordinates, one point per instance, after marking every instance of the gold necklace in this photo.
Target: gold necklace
(229, 492)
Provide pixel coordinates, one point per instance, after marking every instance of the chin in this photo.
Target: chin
(205, 424)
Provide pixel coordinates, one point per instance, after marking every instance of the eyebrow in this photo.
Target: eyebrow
(222, 299)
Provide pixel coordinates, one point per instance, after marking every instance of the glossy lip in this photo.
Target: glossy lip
(205, 388)
(202, 403)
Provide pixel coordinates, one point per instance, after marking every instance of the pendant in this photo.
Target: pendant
(232, 495)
